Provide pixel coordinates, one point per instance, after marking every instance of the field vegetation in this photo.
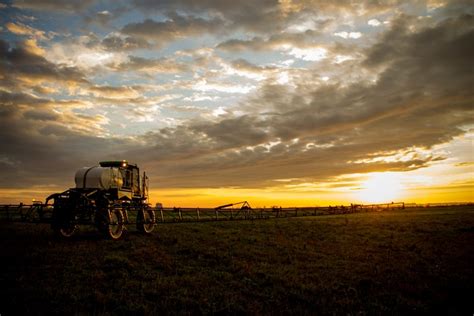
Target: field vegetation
(389, 262)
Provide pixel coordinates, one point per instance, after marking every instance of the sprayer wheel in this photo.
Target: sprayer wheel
(146, 221)
(115, 226)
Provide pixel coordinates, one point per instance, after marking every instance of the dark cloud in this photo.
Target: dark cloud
(107, 12)
(40, 115)
(242, 64)
(53, 5)
(12, 99)
(116, 90)
(19, 63)
(267, 16)
(117, 43)
(44, 145)
(163, 65)
(252, 15)
(233, 133)
(256, 43)
(174, 28)
(303, 39)
(423, 47)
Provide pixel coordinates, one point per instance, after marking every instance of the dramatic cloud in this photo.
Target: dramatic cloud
(26, 68)
(175, 27)
(252, 94)
(322, 129)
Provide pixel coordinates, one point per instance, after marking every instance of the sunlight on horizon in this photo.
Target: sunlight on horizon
(381, 187)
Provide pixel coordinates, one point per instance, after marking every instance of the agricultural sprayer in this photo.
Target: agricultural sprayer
(109, 196)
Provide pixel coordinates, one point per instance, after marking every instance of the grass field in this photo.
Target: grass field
(395, 262)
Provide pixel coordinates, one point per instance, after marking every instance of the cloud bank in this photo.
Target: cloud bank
(223, 93)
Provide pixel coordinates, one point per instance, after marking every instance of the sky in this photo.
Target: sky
(291, 103)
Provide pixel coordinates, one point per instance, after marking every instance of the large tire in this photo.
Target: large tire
(102, 220)
(102, 215)
(115, 225)
(62, 225)
(146, 221)
(65, 232)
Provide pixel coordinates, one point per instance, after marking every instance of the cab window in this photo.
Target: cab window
(127, 178)
(135, 182)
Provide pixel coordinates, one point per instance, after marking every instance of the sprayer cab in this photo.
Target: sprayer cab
(132, 185)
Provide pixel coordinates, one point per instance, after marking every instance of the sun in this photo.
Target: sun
(383, 187)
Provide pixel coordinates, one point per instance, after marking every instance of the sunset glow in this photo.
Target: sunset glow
(381, 187)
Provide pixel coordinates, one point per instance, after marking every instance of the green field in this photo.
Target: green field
(393, 262)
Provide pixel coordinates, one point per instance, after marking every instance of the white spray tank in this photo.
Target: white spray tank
(96, 177)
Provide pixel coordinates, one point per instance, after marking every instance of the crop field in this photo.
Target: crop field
(414, 261)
